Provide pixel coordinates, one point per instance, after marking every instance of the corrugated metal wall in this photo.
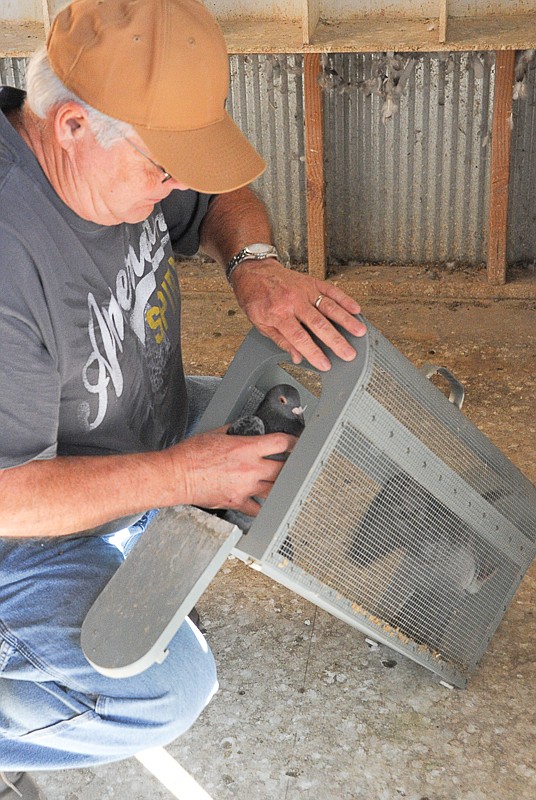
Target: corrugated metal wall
(407, 153)
(522, 207)
(407, 156)
(13, 72)
(266, 101)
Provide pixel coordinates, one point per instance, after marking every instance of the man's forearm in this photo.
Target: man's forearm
(233, 221)
(68, 494)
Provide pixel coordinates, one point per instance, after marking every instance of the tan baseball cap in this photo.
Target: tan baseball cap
(162, 66)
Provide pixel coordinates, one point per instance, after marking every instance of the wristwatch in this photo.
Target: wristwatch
(253, 252)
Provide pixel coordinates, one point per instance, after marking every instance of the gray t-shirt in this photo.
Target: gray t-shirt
(90, 355)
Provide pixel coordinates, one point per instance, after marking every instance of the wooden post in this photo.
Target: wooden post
(500, 165)
(314, 166)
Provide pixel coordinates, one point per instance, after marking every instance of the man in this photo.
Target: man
(121, 154)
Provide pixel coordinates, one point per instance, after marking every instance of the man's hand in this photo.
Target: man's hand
(283, 304)
(288, 306)
(214, 470)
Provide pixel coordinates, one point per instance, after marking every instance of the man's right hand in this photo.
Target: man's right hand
(213, 470)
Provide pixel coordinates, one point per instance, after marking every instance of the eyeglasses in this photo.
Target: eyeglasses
(165, 173)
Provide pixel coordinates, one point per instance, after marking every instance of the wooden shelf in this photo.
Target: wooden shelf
(249, 35)
(20, 39)
(366, 35)
(516, 32)
(379, 34)
(506, 32)
(358, 35)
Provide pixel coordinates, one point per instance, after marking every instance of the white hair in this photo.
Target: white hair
(44, 90)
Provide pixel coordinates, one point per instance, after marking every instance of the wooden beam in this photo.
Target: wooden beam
(500, 165)
(314, 166)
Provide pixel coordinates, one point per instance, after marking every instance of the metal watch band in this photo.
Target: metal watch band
(247, 255)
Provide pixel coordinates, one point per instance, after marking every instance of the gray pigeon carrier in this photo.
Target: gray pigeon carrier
(393, 512)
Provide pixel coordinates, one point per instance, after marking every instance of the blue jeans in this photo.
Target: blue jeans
(56, 711)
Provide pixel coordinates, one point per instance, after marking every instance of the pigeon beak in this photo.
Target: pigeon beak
(298, 410)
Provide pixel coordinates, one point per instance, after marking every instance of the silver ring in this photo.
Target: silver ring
(319, 300)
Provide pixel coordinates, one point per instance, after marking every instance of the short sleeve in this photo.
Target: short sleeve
(29, 378)
(184, 212)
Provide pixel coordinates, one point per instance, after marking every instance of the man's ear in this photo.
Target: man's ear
(71, 124)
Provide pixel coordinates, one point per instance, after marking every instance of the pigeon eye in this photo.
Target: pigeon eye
(282, 400)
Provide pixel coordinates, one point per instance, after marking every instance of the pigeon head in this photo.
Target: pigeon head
(281, 410)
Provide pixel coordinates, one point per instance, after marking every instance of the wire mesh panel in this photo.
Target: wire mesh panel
(393, 511)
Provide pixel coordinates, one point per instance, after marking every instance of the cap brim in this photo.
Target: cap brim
(212, 160)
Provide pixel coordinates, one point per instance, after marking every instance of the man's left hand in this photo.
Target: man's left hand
(287, 306)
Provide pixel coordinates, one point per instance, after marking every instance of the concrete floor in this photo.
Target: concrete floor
(306, 708)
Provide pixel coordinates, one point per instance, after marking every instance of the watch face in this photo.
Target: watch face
(260, 249)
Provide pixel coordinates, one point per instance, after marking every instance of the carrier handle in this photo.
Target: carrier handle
(457, 392)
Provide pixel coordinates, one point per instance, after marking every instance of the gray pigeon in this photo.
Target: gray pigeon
(280, 411)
